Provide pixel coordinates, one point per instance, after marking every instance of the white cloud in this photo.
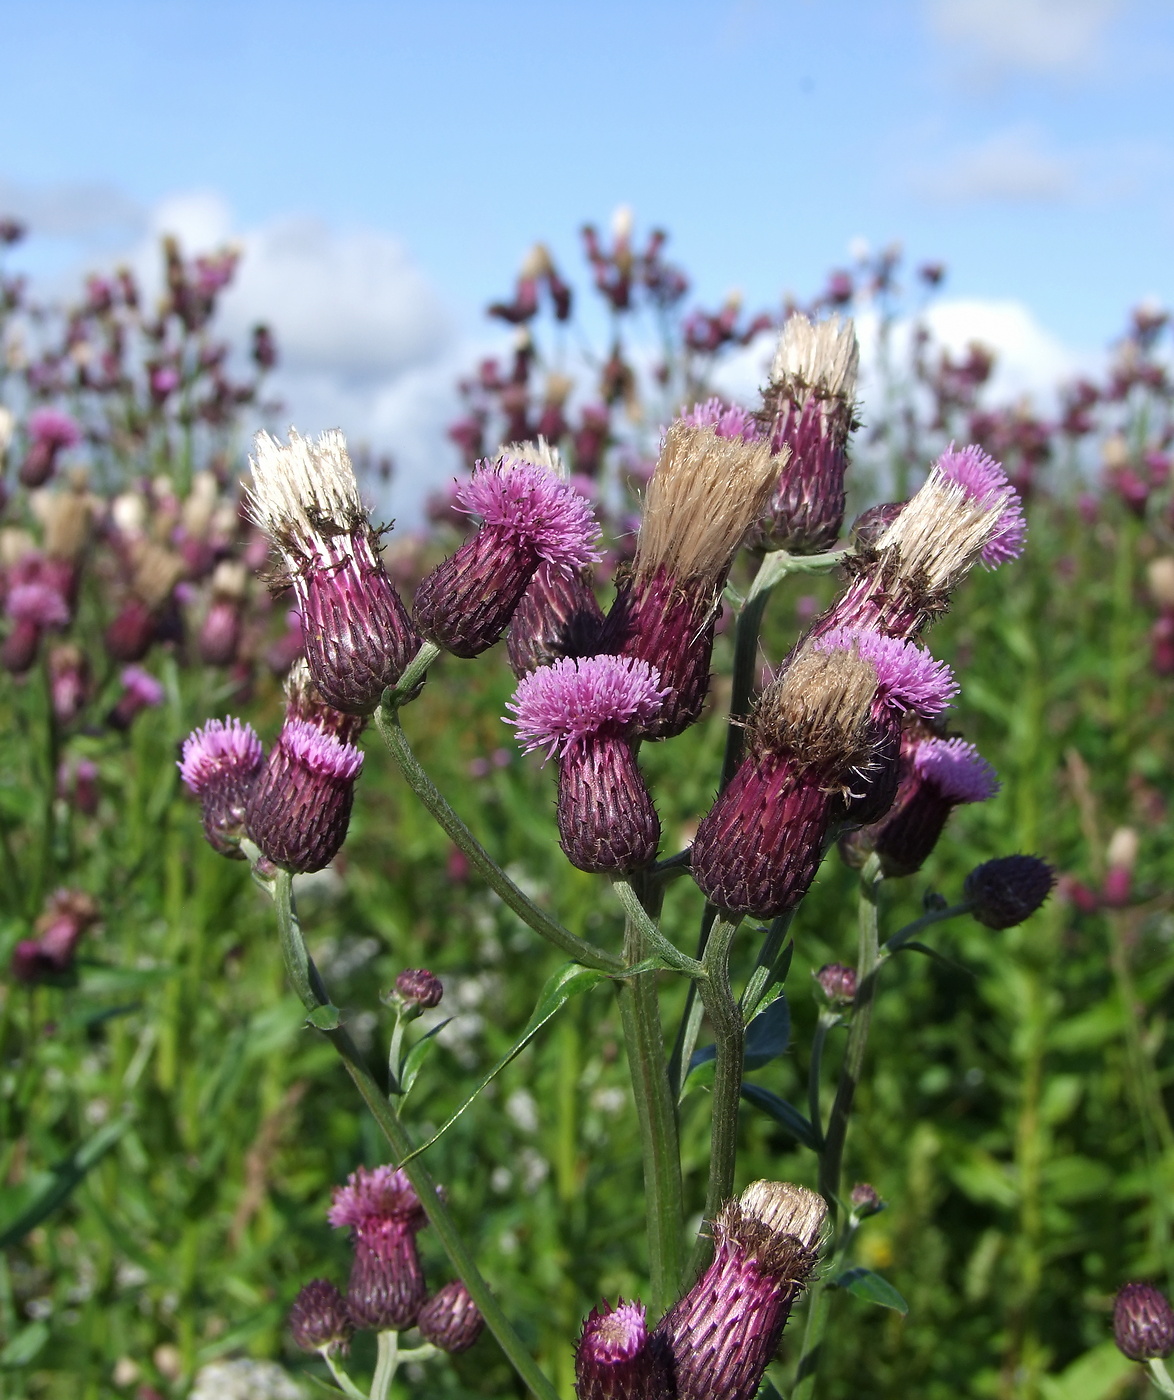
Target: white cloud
(1041, 36)
(1014, 166)
(71, 209)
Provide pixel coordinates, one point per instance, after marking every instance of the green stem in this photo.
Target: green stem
(827, 1021)
(387, 722)
(341, 1379)
(657, 1118)
(407, 687)
(308, 985)
(725, 1018)
(1160, 1376)
(655, 941)
(386, 1365)
(935, 916)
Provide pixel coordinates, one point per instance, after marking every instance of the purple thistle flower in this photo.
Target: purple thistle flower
(587, 711)
(530, 517)
(450, 1319)
(37, 603)
(985, 481)
(727, 420)
(318, 1319)
(559, 706)
(300, 805)
(50, 432)
(908, 677)
(140, 691)
(956, 769)
(1143, 1322)
(386, 1287)
(616, 1359)
(220, 763)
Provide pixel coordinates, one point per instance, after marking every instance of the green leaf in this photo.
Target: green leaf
(24, 1347)
(325, 1018)
(785, 1114)
(872, 1288)
(1094, 1376)
(769, 1034)
(569, 981)
(62, 1181)
(414, 1059)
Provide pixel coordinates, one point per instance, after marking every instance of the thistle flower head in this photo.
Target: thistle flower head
(530, 504)
(559, 706)
(727, 420)
(956, 769)
(222, 749)
(53, 428)
(616, 1359)
(375, 1193)
(450, 1319)
(705, 494)
(304, 490)
(985, 481)
(615, 1334)
(817, 709)
(142, 687)
(907, 676)
(37, 603)
(1006, 891)
(817, 358)
(323, 754)
(318, 1318)
(1143, 1322)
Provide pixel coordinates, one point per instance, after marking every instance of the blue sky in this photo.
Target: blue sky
(422, 148)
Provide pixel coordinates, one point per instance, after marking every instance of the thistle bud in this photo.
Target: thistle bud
(559, 616)
(140, 691)
(586, 712)
(386, 1287)
(68, 682)
(530, 517)
(725, 1331)
(838, 983)
(616, 1359)
(357, 635)
(865, 1200)
(1143, 1323)
(319, 1320)
(417, 987)
(705, 494)
(130, 634)
(220, 764)
(966, 511)
(50, 432)
(67, 915)
(34, 608)
(299, 807)
(1006, 891)
(810, 407)
(450, 1319)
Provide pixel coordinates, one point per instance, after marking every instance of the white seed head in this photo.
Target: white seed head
(1124, 845)
(541, 454)
(941, 532)
(817, 357)
(705, 494)
(7, 428)
(305, 489)
(786, 1209)
(818, 707)
(1160, 576)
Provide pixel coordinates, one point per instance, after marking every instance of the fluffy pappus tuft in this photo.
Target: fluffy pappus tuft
(819, 358)
(304, 489)
(985, 481)
(956, 769)
(558, 706)
(817, 709)
(222, 748)
(530, 503)
(908, 677)
(940, 533)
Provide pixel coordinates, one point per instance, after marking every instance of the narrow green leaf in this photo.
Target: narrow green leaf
(785, 1114)
(414, 1059)
(569, 981)
(769, 1034)
(872, 1288)
(63, 1180)
(24, 1347)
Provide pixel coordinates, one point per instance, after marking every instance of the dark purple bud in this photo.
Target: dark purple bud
(319, 1320)
(559, 616)
(1005, 891)
(725, 1331)
(129, 636)
(220, 633)
(838, 983)
(616, 1359)
(869, 525)
(386, 1288)
(67, 915)
(220, 764)
(418, 987)
(140, 691)
(450, 1319)
(300, 805)
(530, 517)
(1143, 1323)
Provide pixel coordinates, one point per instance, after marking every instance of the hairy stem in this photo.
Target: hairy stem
(304, 977)
(387, 722)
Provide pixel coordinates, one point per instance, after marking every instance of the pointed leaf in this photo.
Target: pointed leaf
(769, 1034)
(872, 1288)
(24, 1347)
(414, 1059)
(62, 1181)
(785, 1114)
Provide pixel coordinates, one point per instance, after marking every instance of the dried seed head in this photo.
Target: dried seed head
(985, 482)
(817, 710)
(1143, 1323)
(1006, 891)
(705, 494)
(304, 491)
(907, 676)
(817, 359)
(450, 1319)
(319, 1320)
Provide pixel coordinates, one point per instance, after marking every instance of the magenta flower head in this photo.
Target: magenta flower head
(319, 1320)
(586, 712)
(727, 420)
(617, 1359)
(1006, 891)
(909, 680)
(450, 1319)
(725, 1331)
(386, 1286)
(418, 989)
(809, 406)
(67, 915)
(812, 735)
(705, 494)
(220, 764)
(34, 608)
(50, 432)
(529, 517)
(936, 775)
(357, 635)
(902, 579)
(140, 691)
(1143, 1323)
(838, 983)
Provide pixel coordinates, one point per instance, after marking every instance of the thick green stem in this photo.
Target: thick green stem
(725, 1018)
(308, 985)
(656, 1114)
(827, 1020)
(386, 1365)
(654, 941)
(341, 1379)
(387, 722)
(1160, 1376)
